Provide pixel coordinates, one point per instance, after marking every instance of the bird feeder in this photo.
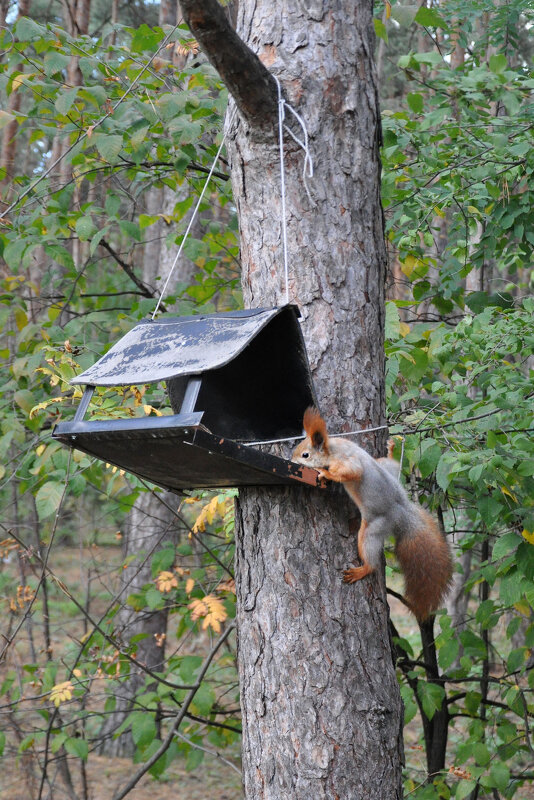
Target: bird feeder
(232, 378)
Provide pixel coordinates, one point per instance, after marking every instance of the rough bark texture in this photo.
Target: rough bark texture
(251, 84)
(321, 707)
(9, 142)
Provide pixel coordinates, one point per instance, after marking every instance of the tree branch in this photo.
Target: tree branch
(164, 746)
(145, 291)
(251, 84)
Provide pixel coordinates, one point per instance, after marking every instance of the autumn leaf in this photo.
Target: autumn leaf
(211, 609)
(166, 581)
(217, 505)
(61, 692)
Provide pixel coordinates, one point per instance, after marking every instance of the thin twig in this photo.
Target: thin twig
(177, 720)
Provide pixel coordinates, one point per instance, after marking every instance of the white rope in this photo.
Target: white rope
(281, 117)
(307, 169)
(297, 438)
(193, 217)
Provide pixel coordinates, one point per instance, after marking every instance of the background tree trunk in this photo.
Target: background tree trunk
(321, 706)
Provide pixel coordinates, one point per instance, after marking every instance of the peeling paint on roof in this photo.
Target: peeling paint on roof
(156, 350)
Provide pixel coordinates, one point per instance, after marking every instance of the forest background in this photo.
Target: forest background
(112, 593)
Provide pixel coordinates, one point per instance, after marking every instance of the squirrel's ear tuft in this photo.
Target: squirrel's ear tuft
(315, 428)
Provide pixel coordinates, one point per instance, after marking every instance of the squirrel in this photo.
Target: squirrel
(373, 484)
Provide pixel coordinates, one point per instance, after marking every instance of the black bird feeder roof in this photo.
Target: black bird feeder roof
(235, 377)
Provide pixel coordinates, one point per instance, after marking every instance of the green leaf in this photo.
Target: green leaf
(189, 666)
(204, 699)
(108, 145)
(404, 15)
(48, 498)
(429, 459)
(130, 229)
(59, 254)
(5, 118)
(154, 599)
(392, 321)
(195, 757)
(431, 696)
(2, 742)
(77, 747)
(55, 62)
(511, 588)
(498, 63)
(464, 789)
(13, 253)
(516, 659)
(143, 728)
(415, 101)
(448, 652)
(24, 398)
(95, 241)
(482, 754)
(380, 29)
(443, 471)
(145, 38)
(473, 644)
(84, 228)
(58, 741)
(500, 775)
(430, 18)
(162, 560)
(506, 544)
(26, 29)
(65, 100)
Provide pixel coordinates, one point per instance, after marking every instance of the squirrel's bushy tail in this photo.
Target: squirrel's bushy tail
(426, 563)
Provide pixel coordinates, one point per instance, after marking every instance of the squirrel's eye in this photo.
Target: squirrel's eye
(305, 455)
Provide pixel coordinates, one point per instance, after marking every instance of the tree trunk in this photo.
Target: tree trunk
(321, 706)
(9, 143)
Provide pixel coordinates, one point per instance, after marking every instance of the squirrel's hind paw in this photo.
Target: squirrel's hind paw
(356, 573)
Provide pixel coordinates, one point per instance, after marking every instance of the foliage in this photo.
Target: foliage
(73, 231)
(458, 162)
(457, 194)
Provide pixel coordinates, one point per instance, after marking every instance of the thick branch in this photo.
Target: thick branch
(251, 84)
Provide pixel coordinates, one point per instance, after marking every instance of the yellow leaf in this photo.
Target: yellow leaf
(523, 607)
(21, 318)
(438, 211)
(408, 265)
(61, 692)
(388, 9)
(506, 491)
(189, 585)
(40, 450)
(528, 535)
(18, 80)
(404, 329)
(151, 410)
(166, 581)
(206, 515)
(211, 609)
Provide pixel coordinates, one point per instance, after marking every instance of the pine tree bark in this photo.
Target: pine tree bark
(321, 706)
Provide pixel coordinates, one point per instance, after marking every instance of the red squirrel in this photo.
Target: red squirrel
(373, 484)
